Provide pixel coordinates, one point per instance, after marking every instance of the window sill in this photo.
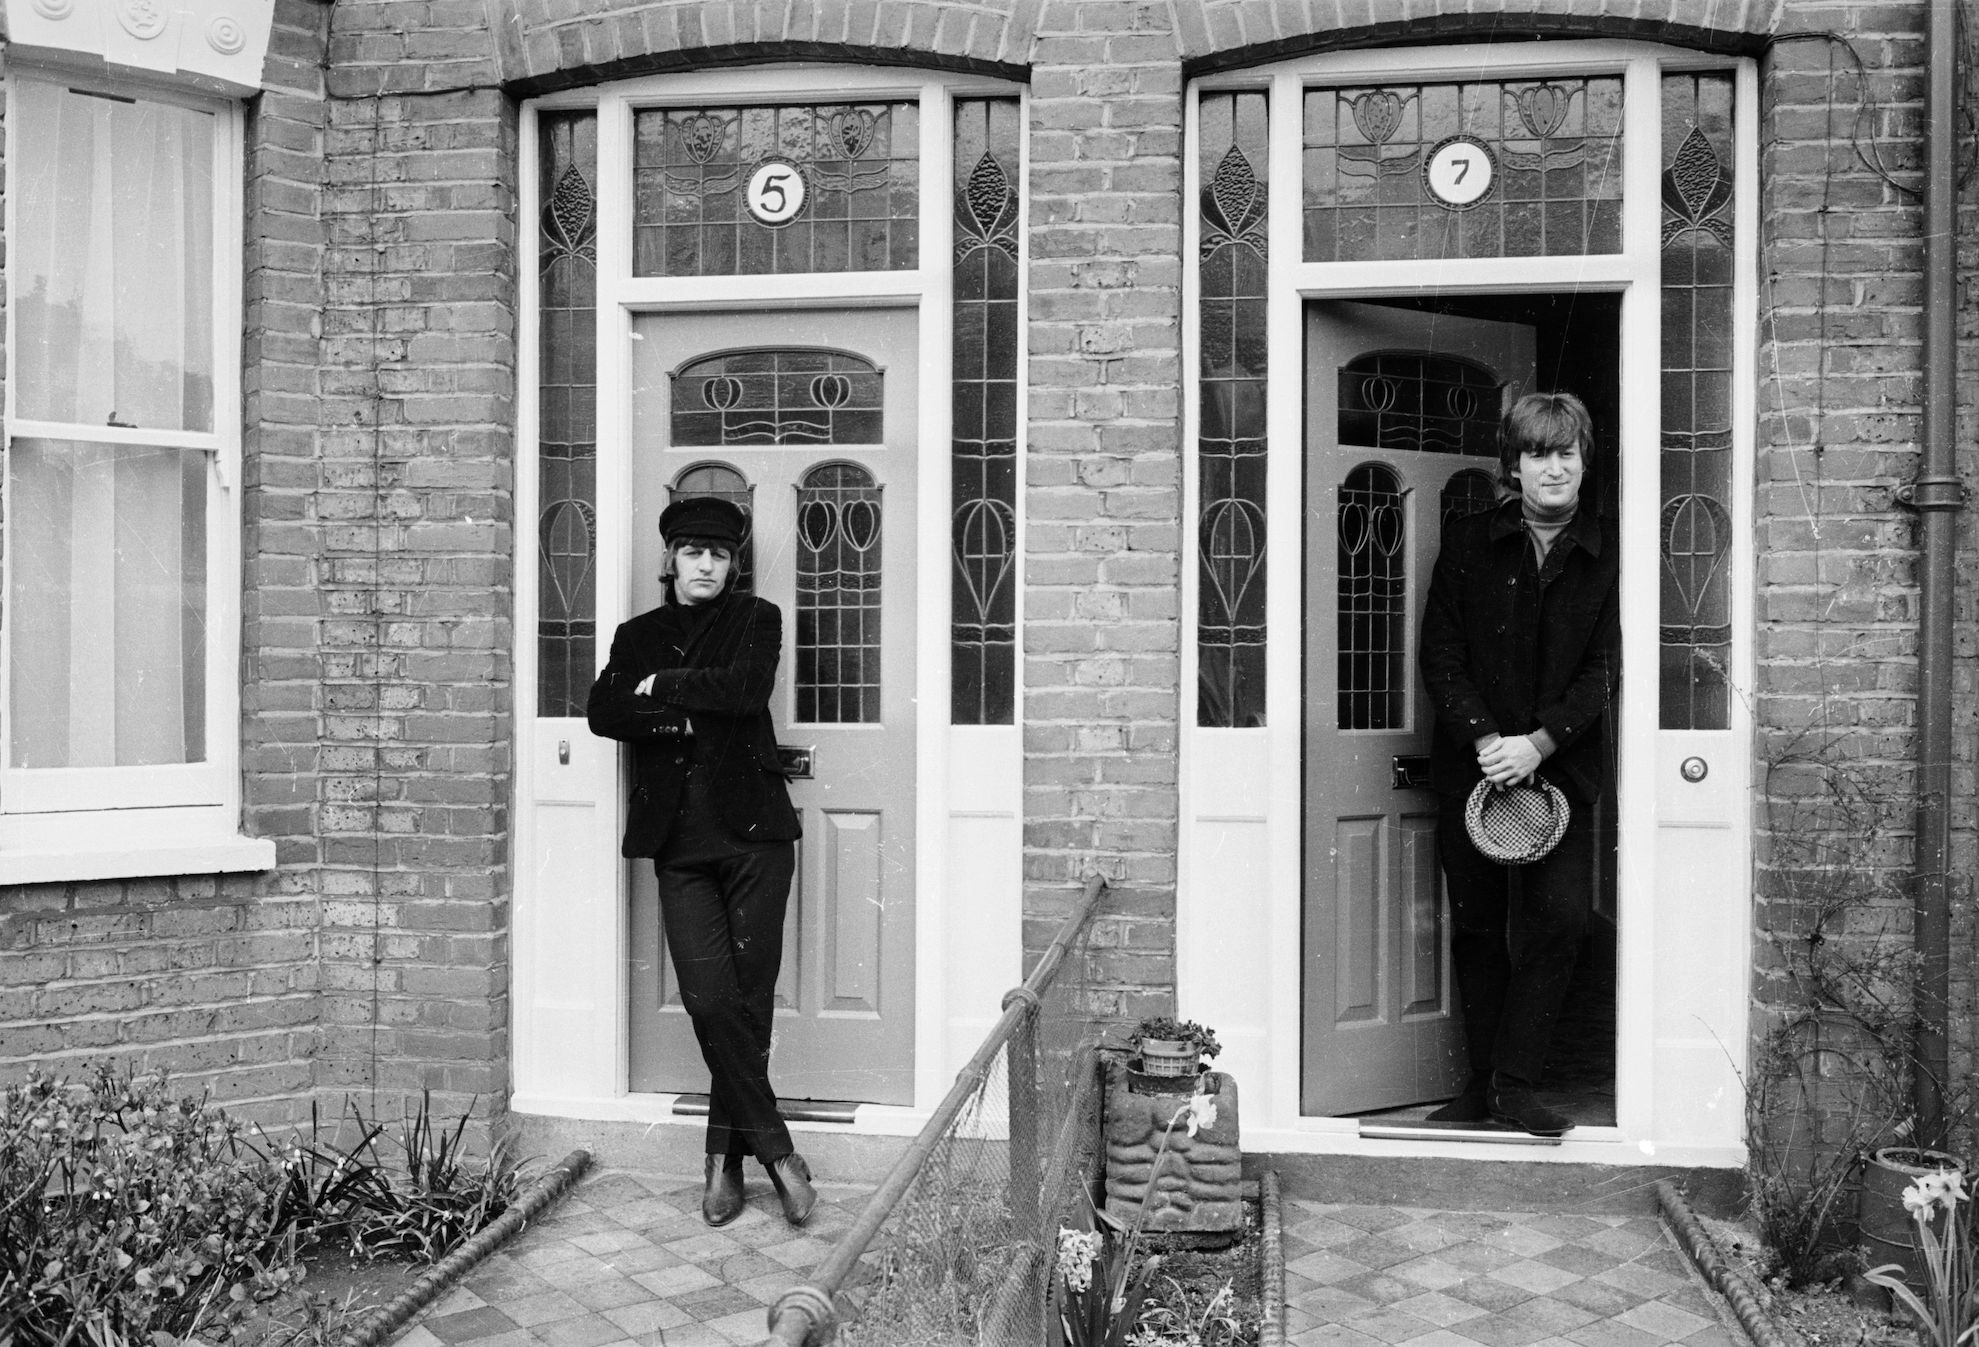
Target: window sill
(221, 855)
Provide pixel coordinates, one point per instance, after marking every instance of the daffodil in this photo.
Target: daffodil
(1201, 1111)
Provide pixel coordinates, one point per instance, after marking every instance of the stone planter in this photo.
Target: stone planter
(1198, 1187)
(1888, 1233)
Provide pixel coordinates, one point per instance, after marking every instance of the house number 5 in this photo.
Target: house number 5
(776, 192)
(1459, 171)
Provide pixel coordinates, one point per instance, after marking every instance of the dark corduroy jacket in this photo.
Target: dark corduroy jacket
(719, 676)
(1509, 646)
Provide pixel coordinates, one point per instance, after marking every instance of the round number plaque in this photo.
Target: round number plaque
(776, 192)
(1459, 172)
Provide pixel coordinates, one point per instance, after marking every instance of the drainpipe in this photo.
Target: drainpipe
(1937, 495)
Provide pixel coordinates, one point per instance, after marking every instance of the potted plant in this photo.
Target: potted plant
(1172, 1048)
(1886, 1212)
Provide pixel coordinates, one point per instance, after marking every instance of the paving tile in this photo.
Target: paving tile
(542, 1309)
(590, 1330)
(1433, 1273)
(467, 1325)
(679, 1280)
(648, 1316)
(1644, 1281)
(1334, 1335)
(1331, 1304)
(1522, 1240)
(1673, 1324)
(1433, 1307)
(1550, 1316)
(1568, 1227)
(1538, 1278)
(608, 1241)
(608, 1294)
(1388, 1323)
(1609, 1333)
(741, 1267)
(417, 1336)
(715, 1302)
(1477, 1256)
(747, 1326)
(1441, 1337)
(1325, 1232)
(1627, 1240)
(1597, 1297)
(1378, 1288)
(1374, 1252)
(1371, 1219)
(697, 1335)
(500, 1280)
(1580, 1259)
(645, 1258)
(1327, 1267)
(1503, 1330)
(806, 1251)
(1491, 1294)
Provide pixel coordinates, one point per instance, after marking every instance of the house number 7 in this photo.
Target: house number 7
(776, 192)
(1458, 172)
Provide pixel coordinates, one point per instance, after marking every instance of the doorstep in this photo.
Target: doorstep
(674, 1146)
(1494, 1185)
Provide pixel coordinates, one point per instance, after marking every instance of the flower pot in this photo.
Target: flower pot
(1888, 1233)
(1170, 1057)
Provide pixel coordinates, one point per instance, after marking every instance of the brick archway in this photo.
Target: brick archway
(1230, 34)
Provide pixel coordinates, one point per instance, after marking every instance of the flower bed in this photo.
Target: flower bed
(128, 1215)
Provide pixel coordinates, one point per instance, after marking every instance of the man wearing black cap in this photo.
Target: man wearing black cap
(688, 686)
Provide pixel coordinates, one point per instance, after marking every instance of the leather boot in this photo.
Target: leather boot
(792, 1179)
(1513, 1101)
(721, 1202)
(1467, 1107)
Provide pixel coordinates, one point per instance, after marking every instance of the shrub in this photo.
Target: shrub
(125, 1213)
(128, 1216)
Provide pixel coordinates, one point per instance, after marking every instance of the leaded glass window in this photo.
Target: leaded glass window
(725, 483)
(1373, 600)
(1694, 683)
(983, 450)
(1230, 445)
(1553, 147)
(777, 396)
(1417, 401)
(1471, 491)
(567, 394)
(838, 596)
(861, 189)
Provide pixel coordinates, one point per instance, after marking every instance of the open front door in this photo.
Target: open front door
(1402, 411)
(807, 419)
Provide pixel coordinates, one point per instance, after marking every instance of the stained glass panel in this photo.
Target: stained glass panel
(838, 596)
(1420, 402)
(1471, 491)
(566, 430)
(777, 396)
(983, 448)
(1555, 148)
(1694, 684)
(1230, 445)
(691, 169)
(1373, 600)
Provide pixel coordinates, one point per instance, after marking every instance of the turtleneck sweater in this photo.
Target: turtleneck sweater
(1545, 526)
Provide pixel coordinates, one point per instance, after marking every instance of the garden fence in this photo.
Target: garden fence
(956, 1246)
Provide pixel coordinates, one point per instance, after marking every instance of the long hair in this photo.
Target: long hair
(1539, 423)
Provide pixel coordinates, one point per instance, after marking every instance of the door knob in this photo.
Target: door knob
(563, 752)
(1695, 770)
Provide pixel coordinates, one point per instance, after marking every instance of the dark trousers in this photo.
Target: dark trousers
(722, 905)
(1516, 936)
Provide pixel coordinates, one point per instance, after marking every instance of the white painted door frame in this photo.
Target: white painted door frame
(569, 920)
(1684, 957)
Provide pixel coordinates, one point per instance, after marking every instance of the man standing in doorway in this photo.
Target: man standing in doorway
(1521, 652)
(688, 686)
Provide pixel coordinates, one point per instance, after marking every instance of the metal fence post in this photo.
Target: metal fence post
(1026, 1178)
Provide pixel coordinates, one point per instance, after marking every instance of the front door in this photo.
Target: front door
(1402, 411)
(807, 419)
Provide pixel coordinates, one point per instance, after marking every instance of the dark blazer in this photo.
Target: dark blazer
(720, 679)
(1509, 647)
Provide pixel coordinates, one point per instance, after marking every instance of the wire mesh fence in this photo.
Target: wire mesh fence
(963, 1244)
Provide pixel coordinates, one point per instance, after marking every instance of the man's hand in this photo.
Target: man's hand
(1509, 760)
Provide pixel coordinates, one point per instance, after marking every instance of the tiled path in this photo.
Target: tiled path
(1374, 1276)
(625, 1259)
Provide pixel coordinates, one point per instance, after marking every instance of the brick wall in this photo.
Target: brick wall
(406, 515)
(1102, 500)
